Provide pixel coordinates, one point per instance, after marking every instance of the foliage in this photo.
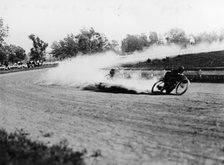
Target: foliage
(3, 31)
(11, 53)
(114, 45)
(87, 42)
(134, 43)
(39, 48)
(177, 36)
(16, 148)
(65, 48)
(3, 34)
(153, 38)
(3, 56)
(15, 53)
(148, 60)
(90, 41)
(209, 37)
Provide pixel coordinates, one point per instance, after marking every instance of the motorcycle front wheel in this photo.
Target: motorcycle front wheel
(182, 87)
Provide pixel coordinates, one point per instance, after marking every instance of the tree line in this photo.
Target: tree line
(175, 36)
(88, 41)
(10, 53)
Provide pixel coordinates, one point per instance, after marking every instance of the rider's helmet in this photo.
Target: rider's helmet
(180, 69)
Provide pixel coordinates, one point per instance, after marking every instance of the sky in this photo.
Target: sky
(52, 20)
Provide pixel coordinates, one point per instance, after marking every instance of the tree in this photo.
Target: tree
(153, 38)
(90, 41)
(114, 45)
(39, 48)
(3, 56)
(176, 36)
(65, 48)
(14, 53)
(57, 50)
(143, 40)
(208, 37)
(3, 31)
(221, 35)
(20, 53)
(134, 43)
(87, 42)
(3, 34)
(11, 53)
(148, 60)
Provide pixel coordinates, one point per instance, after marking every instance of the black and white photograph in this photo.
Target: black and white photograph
(111, 82)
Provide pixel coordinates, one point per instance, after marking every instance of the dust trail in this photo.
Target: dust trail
(89, 70)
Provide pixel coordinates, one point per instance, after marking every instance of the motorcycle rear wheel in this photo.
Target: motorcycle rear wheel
(156, 87)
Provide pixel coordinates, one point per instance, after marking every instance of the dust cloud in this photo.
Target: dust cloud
(91, 70)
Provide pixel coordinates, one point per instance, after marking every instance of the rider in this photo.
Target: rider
(171, 77)
(111, 73)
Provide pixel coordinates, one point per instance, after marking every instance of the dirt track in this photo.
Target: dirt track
(127, 128)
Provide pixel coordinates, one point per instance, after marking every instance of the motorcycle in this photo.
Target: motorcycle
(179, 85)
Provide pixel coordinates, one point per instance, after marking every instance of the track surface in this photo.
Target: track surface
(127, 128)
